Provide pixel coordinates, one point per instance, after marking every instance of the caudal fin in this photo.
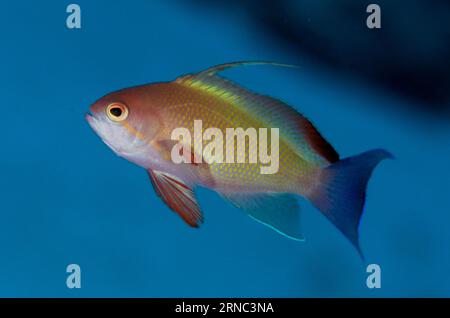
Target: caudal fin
(341, 193)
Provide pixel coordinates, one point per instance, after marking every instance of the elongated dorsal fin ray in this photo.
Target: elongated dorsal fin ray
(221, 67)
(298, 131)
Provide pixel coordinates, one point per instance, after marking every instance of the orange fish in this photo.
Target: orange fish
(138, 124)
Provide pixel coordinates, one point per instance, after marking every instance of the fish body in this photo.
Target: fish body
(307, 165)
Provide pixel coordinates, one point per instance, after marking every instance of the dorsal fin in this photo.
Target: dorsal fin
(298, 131)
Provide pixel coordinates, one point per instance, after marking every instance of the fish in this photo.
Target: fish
(138, 123)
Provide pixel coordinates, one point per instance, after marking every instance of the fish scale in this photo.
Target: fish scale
(216, 112)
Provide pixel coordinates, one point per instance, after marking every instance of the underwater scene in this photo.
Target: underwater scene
(349, 194)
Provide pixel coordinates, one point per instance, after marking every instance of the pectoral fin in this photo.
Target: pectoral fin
(178, 196)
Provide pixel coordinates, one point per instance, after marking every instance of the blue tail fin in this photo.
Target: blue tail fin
(342, 190)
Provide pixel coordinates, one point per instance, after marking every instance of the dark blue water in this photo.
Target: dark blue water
(66, 198)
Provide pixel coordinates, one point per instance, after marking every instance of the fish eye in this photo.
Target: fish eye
(117, 112)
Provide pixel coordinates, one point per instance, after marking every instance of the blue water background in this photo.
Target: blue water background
(66, 198)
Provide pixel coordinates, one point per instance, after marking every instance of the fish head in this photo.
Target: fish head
(126, 123)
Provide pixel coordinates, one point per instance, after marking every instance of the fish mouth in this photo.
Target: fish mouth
(98, 127)
(91, 119)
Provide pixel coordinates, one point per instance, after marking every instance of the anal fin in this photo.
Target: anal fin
(279, 211)
(178, 196)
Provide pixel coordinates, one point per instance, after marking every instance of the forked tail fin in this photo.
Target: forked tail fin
(341, 193)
